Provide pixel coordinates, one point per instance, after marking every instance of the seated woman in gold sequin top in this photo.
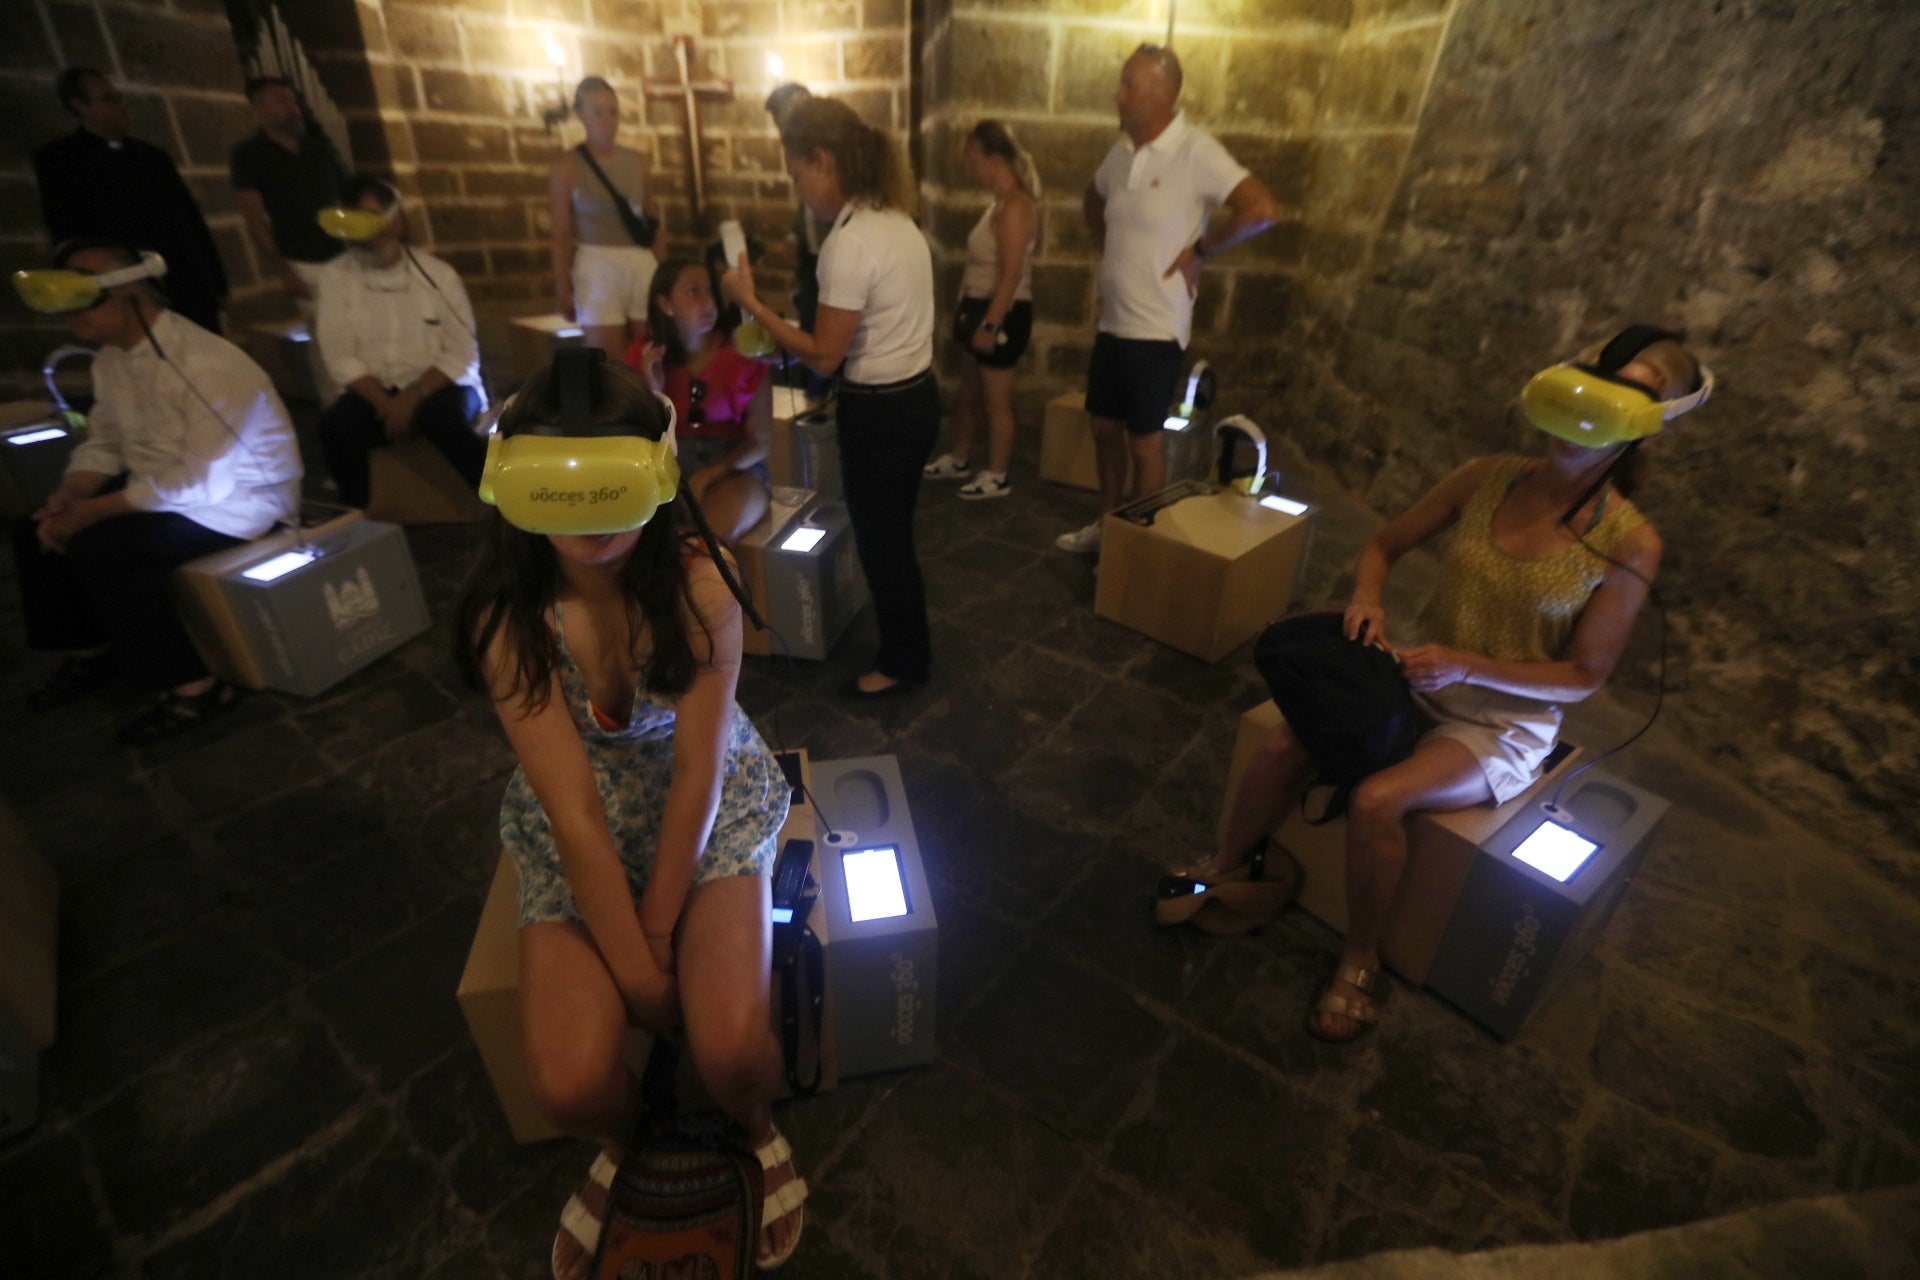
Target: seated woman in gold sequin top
(1525, 619)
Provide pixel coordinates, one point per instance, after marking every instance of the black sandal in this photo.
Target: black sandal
(1242, 901)
(176, 713)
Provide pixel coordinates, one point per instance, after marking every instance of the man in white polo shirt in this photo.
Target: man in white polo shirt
(1150, 203)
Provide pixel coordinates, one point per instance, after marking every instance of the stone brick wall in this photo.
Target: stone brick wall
(177, 65)
(1318, 98)
(461, 88)
(1750, 172)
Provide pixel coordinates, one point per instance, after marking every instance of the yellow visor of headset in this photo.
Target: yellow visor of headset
(547, 483)
(1227, 435)
(354, 225)
(1585, 407)
(54, 291)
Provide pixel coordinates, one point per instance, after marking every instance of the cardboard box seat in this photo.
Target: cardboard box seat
(1199, 567)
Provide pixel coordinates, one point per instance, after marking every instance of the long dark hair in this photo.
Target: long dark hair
(513, 583)
(662, 328)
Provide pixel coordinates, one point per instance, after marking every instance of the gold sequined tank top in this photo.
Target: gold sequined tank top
(1512, 608)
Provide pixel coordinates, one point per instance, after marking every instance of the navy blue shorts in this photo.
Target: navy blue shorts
(1131, 380)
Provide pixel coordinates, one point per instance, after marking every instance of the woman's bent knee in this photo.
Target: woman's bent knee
(574, 1091)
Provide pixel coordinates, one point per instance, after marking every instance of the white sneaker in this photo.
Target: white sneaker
(986, 485)
(945, 467)
(1081, 541)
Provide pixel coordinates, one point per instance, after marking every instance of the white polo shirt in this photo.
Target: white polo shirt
(1158, 199)
(877, 263)
(392, 324)
(201, 433)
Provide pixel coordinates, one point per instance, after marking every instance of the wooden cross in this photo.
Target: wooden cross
(690, 92)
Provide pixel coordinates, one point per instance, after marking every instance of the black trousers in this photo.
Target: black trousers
(350, 430)
(886, 435)
(111, 585)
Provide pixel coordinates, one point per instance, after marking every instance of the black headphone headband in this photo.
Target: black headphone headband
(577, 382)
(1628, 343)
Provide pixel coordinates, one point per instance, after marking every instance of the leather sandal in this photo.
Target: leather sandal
(1239, 901)
(1362, 1010)
(789, 1199)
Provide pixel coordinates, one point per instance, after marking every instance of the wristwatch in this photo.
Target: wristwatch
(990, 326)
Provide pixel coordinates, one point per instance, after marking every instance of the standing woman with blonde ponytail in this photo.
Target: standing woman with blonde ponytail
(876, 317)
(602, 225)
(995, 318)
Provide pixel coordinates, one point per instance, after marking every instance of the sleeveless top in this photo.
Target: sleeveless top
(1514, 608)
(982, 275)
(595, 221)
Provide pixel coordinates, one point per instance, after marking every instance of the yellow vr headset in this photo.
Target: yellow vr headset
(572, 474)
(1228, 435)
(355, 225)
(1590, 404)
(57, 291)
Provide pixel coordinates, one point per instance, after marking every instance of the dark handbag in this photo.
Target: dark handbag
(1347, 702)
(640, 227)
(687, 1200)
(799, 964)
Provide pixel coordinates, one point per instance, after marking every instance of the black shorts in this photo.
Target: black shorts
(1131, 381)
(1016, 330)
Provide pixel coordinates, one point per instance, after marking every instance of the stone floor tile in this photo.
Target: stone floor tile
(1356, 1228)
(127, 1020)
(471, 1263)
(216, 1116)
(820, 1257)
(1081, 636)
(1078, 782)
(295, 832)
(51, 1220)
(1452, 1087)
(94, 831)
(150, 898)
(948, 1180)
(1013, 863)
(1107, 921)
(327, 917)
(1110, 1230)
(393, 1006)
(519, 1234)
(1153, 726)
(1084, 1083)
(1441, 1188)
(976, 947)
(364, 1202)
(1706, 1070)
(368, 716)
(414, 771)
(1256, 997)
(1864, 1011)
(1636, 1174)
(999, 714)
(1748, 961)
(1229, 1146)
(231, 772)
(452, 1114)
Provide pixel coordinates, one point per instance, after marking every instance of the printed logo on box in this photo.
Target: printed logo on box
(354, 602)
(906, 1005)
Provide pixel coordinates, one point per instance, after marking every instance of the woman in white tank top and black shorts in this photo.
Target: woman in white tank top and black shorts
(604, 229)
(875, 324)
(995, 317)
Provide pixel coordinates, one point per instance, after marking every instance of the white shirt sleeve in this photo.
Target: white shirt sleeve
(1103, 176)
(846, 268)
(239, 403)
(459, 350)
(101, 450)
(1215, 172)
(334, 328)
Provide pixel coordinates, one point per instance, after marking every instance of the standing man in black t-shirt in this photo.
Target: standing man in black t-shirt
(285, 174)
(98, 184)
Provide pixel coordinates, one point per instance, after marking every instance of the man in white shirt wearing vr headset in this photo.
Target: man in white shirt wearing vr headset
(189, 451)
(396, 331)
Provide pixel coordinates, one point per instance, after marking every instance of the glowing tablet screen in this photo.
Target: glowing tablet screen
(569, 333)
(281, 565)
(783, 915)
(1177, 423)
(1556, 850)
(1274, 502)
(35, 437)
(804, 539)
(874, 888)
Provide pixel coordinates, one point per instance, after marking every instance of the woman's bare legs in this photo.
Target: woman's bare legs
(966, 411)
(725, 944)
(1440, 774)
(1267, 789)
(997, 395)
(734, 504)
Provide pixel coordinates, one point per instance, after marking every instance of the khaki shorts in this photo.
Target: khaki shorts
(1509, 736)
(610, 283)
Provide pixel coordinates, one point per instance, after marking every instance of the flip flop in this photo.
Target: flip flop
(1242, 900)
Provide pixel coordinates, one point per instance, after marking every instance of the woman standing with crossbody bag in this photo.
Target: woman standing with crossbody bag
(603, 230)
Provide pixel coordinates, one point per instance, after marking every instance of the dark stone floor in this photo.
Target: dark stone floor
(261, 1068)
